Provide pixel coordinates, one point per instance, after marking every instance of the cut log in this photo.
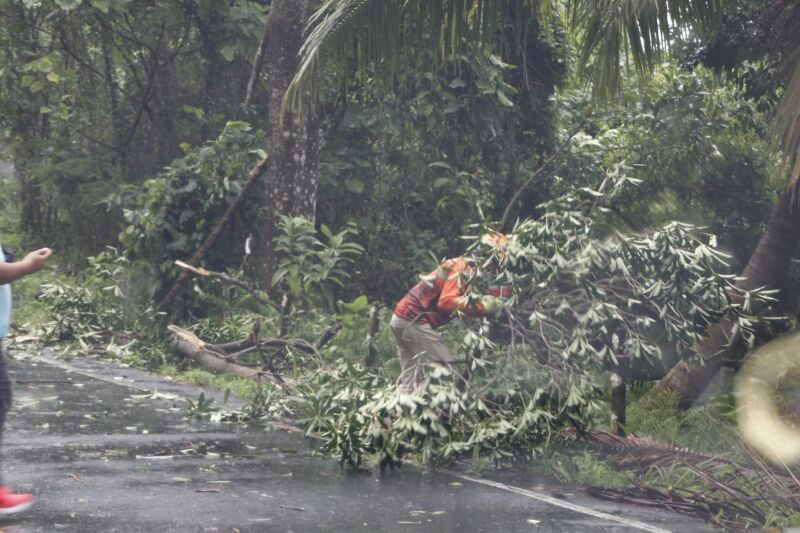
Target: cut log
(188, 345)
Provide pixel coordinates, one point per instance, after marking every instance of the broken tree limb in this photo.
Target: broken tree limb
(188, 345)
(252, 179)
(327, 335)
(230, 280)
(241, 353)
(231, 347)
(373, 325)
(528, 182)
(258, 62)
(295, 344)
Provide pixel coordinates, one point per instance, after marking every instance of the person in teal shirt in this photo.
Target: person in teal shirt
(11, 502)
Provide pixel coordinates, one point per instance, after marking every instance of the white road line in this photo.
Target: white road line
(561, 503)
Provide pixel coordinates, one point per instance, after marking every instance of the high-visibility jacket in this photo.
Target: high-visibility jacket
(433, 300)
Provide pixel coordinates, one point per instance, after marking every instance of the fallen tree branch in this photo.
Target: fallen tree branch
(327, 335)
(230, 347)
(241, 353)
(188, 345)
(230, 280)
(297, 344)
(252, 179)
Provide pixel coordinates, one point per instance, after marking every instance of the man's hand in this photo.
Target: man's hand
(35, 260)
(501, 291)
(492, 304)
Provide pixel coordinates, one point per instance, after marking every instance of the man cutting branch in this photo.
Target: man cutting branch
(429, 305)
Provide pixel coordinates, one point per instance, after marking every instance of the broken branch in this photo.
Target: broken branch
(327, 335)
(188, 345)
(230, 280)
(252, 179)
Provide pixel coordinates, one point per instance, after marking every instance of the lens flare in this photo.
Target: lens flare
(757, 387)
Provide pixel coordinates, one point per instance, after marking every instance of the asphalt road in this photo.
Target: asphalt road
(102, 452)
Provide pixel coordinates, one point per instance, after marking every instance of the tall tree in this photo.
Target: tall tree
(291, 187)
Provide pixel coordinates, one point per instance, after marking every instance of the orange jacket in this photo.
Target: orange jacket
(433, 300)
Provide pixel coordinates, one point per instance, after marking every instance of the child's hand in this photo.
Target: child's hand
(36, 259)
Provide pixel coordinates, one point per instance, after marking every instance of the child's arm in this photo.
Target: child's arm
(32, 262)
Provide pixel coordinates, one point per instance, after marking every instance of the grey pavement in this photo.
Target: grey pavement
(102, 452)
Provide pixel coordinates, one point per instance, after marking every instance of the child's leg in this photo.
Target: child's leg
(10, 502)
(5, 390)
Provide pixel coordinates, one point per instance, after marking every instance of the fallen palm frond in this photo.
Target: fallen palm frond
(693, 504)
(647, 452)
(734, 494)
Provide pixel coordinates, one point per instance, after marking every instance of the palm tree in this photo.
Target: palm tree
(375, 41)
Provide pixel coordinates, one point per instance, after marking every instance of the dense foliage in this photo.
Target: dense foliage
(406, 126)
(584, 298)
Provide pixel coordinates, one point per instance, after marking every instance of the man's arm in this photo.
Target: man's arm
(32, 262)
(451, 296)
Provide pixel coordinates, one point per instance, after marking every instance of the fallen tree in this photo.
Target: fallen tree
(213, 357)
(226, 358)
(584, 300)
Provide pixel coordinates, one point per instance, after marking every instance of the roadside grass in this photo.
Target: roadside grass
(28, 310)
(242, 388)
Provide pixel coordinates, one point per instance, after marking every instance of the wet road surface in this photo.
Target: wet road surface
(101, 456)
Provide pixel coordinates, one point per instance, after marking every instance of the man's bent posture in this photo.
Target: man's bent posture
(429, 305)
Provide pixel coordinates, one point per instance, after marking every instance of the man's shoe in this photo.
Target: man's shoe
(11, 502)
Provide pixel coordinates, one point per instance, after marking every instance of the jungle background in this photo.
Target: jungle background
(345, 163)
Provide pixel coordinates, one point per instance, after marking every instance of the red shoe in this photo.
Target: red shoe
(11, 502)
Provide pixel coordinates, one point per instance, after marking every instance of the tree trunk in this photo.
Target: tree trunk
(291, 187)
(765, 268)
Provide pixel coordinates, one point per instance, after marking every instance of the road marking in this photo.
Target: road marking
(561, 503)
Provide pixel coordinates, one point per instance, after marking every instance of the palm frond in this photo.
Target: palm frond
(787, 118)
(732, 493)
(646, 452)
(779, 20)
(377, 41)
(641, 29)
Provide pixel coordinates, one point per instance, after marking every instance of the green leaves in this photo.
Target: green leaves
(310, 266)
(103, 5)
(354, 185)
(69, 5)
(614, 33)
(165, 216)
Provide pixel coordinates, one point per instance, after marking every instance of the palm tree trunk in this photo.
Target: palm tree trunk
(765, 268)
